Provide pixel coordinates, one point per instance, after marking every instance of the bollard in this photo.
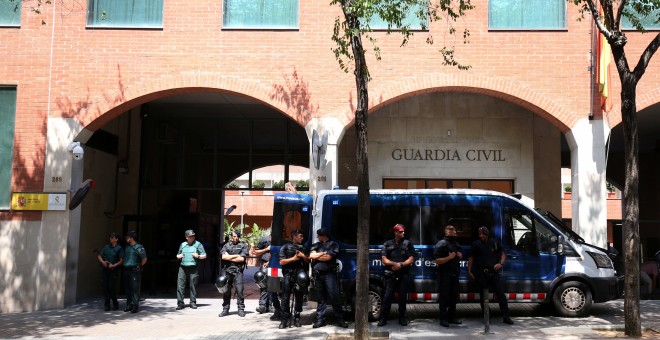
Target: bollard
(486, 299)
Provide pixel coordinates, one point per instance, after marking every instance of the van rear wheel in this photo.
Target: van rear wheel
(375, 302)
(572, 299)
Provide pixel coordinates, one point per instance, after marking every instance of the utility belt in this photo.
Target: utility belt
(317, 272)
(234, 269)
(137, 268)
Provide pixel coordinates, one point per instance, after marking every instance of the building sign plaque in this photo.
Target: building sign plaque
(38, 201)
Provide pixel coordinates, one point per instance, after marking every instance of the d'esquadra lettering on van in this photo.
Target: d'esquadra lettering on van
(546, 262)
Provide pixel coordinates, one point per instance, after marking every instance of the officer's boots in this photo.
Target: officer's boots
(296, 319)
(224, 312)
(277, 315)
(284, 323)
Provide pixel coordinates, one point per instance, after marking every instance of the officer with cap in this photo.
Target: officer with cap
(111, 257)
(487, 259)
(397, 255)
(323, 255)
(265, 297)
(293, 261)
(134, 258)
(190, 253)
(234, 254)
(448, 255)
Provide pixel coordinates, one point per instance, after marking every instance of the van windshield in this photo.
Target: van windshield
(560, 225)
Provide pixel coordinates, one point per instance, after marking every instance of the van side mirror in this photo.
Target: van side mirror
(560, 245)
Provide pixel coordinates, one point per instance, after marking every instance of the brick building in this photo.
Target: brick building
(171, 101)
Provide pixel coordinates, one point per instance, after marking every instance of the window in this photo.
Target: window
(278, 14)
(501, 185)
(7, 118)
(526, 14)
(125, 13)
(528, 234)
(377, 23)
(649, 22)
(10, 13)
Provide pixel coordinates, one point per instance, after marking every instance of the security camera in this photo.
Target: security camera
(78, 152)
(76, 149)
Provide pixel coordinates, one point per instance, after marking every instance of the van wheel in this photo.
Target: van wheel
(375, 302)
(572, 299)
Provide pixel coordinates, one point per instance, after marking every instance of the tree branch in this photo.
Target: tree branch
(646, 57)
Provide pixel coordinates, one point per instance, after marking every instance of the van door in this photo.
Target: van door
(531, 251)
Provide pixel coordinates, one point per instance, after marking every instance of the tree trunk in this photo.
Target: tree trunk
(633, 325)
(362, 304)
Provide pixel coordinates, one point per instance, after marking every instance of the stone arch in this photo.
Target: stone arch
(510, 91)
(107, 106)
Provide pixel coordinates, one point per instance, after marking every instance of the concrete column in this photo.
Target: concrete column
(587, 140)
(324, 135)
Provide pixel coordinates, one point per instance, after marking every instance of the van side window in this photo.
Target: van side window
(288, 217)
(466, 218)
(343, 223)
(527, 234)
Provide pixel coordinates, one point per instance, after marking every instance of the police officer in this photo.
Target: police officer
(111, 257)
(134, 258)
(487, 259)
(190, 253)
(294, 262)
(447, 254)
(265, 297)
(234, 254)
(397, 255)
(323, 254)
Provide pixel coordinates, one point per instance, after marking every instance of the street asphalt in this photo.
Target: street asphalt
(159, 319)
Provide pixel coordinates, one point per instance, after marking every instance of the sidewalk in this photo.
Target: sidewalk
(159, 319)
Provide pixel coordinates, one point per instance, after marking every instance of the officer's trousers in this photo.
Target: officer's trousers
(190, 274)
(237, 279)
(494, 283)
(327, 287)
(110, 286)
(395, 283)
(285, 298)
(133, 281)
(448, 295)
(267, 298)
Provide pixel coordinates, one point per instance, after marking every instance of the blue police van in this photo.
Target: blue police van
(546, 261)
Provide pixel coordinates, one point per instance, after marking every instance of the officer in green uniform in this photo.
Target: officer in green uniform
(190, 252)
(134, 258)
(111, 257)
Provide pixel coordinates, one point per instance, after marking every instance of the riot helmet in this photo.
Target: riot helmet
(223, 283)
(302, 281)
(260, 279)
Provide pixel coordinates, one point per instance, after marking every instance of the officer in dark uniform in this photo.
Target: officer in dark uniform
(293, 261)
(111, 257)
(487, 259)
(397, 255)
(323, 255)
(234, 254)
(447, 254)
(190, 253)
(134, 258)
(266, 298)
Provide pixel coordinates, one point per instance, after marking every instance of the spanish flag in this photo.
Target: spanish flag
(604, 79)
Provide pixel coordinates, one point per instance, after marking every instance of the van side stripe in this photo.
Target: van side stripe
(432, 297)
(275, 272)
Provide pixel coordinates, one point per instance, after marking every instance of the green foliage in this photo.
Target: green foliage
(253, 235)
(232, 185)
(607, 15)
(302, 184)
(356, 23)
(568, 188)
(258, 185)
(278, 185)
(610, 187)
